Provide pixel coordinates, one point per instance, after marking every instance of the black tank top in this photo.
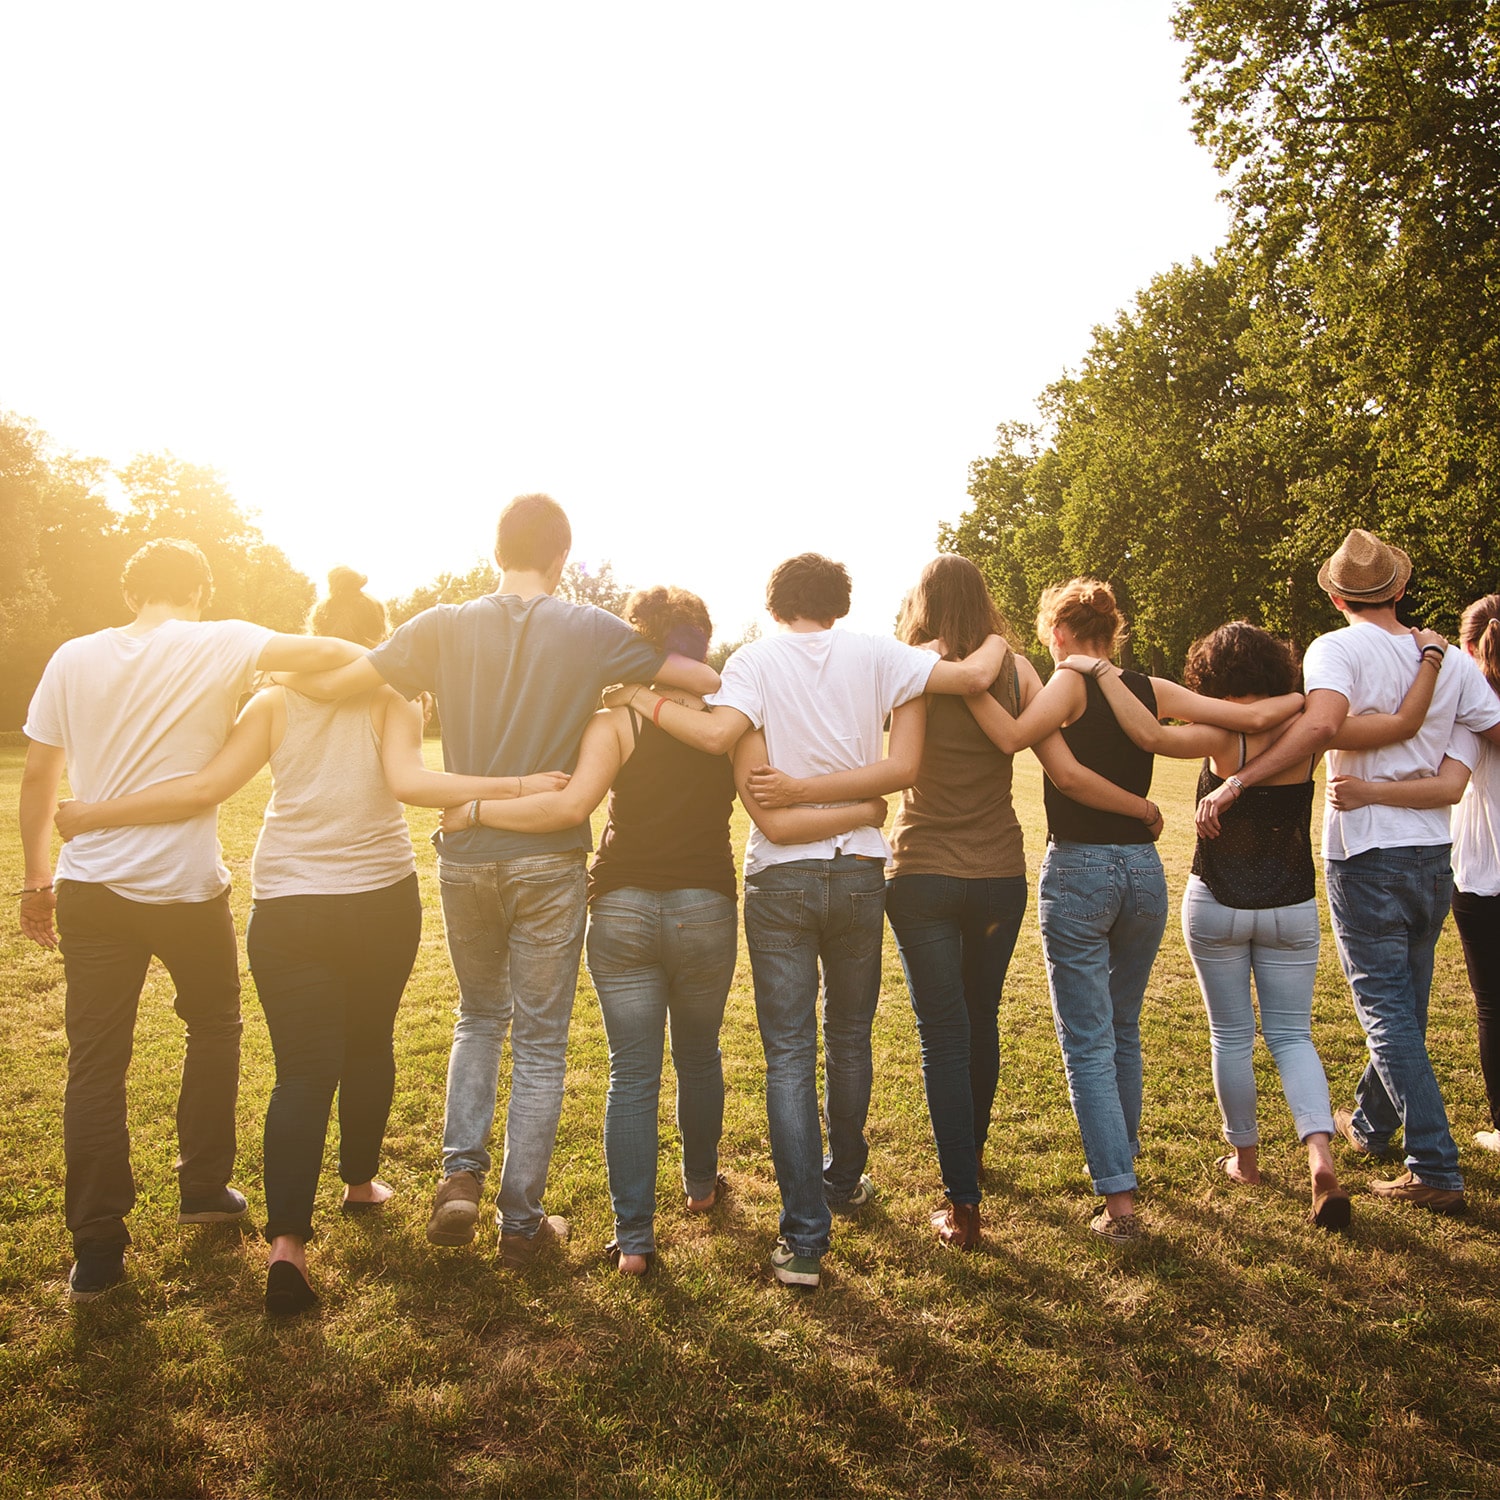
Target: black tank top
(1263, 854)
(1099, 743)
(668, 827)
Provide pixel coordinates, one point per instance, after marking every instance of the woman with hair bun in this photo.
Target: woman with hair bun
(1250, 906)
(1103, 894)
(663, 932)
(336, 917)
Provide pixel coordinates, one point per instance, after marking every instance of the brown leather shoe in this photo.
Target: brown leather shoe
(455, 1209)
(958, 1225)
(1409, 1188)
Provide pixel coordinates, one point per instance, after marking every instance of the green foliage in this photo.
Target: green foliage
(446, 588)
(721, 651)
(598, 586)
(66, 546)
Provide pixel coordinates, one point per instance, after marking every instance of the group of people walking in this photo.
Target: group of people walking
(142, 719)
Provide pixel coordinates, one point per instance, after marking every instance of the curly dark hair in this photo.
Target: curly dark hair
(808, 587)
(1240, 660)
(167, 571)
(671, 619)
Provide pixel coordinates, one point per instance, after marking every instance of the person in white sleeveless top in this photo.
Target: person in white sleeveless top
(336, 917)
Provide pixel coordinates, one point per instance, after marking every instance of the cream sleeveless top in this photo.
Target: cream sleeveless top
(332, 826)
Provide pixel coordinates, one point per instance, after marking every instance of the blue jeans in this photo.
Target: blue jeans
(515, 932)
(1103, 911)
(956, 938)
(1279, 944)
(1388, 907)
(800, 916)
(655, 957)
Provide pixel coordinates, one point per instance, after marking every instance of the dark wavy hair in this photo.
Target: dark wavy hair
(672, 620)
(808, 587)
(951, 603)
(348, 612)
(167, 571)
(1240, 660)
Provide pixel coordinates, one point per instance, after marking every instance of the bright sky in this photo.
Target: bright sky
(729, 282)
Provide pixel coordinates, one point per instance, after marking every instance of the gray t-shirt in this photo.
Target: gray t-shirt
(516, 682)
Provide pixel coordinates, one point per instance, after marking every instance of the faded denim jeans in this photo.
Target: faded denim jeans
(1388, 907)
(1279, 944)
(660, 958)
(802, 918)
(1103, 910)
(515, 933)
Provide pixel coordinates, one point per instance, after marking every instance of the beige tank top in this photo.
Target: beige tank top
(332, 826)
(957, 819)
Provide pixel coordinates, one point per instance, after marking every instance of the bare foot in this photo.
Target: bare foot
(704, 1205)
(1240, 1166)
(289, 1247)
(632, 1265)
(374, 1191)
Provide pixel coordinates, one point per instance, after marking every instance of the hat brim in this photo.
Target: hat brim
(1368, 596)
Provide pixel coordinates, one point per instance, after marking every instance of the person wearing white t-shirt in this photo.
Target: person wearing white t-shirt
(121, 710)
(1389, 877)
(821, 697)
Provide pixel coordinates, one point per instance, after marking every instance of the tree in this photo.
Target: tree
(446, 588)
(580, 585)
(723, 650)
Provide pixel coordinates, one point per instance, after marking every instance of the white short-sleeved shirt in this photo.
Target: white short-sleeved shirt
(131, 711)
(822, 698)
(1476, 825)
(1373, 669)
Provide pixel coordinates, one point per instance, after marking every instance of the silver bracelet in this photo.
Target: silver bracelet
(1237, 784)
(474, 813)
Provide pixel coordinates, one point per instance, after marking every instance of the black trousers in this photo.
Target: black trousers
(330, 971)
(1478, 922)
(107, 944)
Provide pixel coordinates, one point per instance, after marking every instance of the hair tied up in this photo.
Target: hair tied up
(343, 581)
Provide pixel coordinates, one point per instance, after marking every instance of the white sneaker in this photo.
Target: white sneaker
(1489, 1139)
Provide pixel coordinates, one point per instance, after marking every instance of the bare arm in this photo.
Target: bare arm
(600, 757)
(1184, 741)
(683, 672)
(1059, 703)
(893, 773)
(344, 681)
(1308, 736)
(245, 751)
(409, 779)
(1372, 731)
(40, 780)
(1173, 701)
(974, 673)
(1441, 790)
(307, 653)
(714, 730)
(797, 825)
(1092, 789)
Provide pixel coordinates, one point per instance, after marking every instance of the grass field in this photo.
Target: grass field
(1238, 1352)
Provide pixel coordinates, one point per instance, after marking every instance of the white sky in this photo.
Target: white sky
(729, 282)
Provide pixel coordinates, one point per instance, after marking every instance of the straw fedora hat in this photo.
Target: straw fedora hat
(1365, 569)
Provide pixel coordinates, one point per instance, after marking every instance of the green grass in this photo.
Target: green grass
(1239, 1352)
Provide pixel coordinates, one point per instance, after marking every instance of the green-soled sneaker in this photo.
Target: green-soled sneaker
(791, 1269)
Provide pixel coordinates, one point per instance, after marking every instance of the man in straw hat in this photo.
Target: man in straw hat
(1388, 875)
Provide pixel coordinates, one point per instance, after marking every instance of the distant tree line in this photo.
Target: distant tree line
(1337, 364)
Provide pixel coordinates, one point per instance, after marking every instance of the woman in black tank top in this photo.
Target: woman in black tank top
(1249, 908)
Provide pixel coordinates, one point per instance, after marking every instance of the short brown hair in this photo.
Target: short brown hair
(1240, 660)
(348, 612)
(532, 534)
(167, 571)
(672, 620)
(808, 587)
(1087, 607)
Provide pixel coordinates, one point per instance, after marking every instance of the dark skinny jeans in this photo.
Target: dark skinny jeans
(108, 943)
(1478, 922)
(330, 970)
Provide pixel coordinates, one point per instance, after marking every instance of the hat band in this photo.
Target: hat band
(1373, 588)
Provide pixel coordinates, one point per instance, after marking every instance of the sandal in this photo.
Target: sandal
(1330, 1210)
(721, 1187)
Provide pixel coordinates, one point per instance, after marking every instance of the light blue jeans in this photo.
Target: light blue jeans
(1388, 907)
(1103, 910)
(802, 917)
(660, 957)
(1279, 945)
(515, 932)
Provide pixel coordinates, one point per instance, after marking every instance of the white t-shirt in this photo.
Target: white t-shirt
(1476, 826)
(822, 698)
(1373, 669)
(133, 710)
